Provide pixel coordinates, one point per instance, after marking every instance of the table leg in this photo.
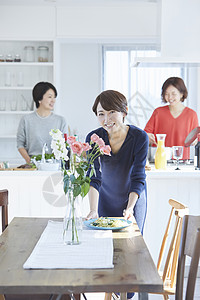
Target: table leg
(123, 296)
(143, 296)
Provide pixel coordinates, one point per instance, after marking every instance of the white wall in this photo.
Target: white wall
(79, 82)
(122, 19)
(27, 22)
(180, 28)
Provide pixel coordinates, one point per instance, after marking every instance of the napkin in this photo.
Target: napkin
(94, 252)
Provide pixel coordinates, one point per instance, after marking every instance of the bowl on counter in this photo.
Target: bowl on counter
(48, 166)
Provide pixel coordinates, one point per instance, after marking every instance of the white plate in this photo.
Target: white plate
(126, 224)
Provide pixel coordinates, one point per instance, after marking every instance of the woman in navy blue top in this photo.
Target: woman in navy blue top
(119, 187)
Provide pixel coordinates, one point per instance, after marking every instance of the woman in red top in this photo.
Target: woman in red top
(174, 119)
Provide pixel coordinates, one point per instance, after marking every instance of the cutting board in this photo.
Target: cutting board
(18, 169)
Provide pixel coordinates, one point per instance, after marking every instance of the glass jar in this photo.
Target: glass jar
(2, 58)
(17, 58)
(9, 58)
(43, 54)
(29, 54)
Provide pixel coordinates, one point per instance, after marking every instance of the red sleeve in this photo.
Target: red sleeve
(150, 126)
(195, 121)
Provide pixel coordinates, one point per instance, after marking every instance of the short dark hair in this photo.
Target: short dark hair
(177, 83)
(40, 89)
(111, 100)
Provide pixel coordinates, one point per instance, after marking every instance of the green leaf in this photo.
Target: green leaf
(76, 190)
(87, 179)
(91, 172)
(66, 184)
(72, 178)
(80, 171)
(85, 189)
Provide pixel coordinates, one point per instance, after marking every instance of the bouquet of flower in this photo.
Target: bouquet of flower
(77, 177)
(81, 160)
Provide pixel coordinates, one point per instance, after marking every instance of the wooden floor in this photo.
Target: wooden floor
(100, 296)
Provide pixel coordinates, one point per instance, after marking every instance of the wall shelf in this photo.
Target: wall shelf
(15, 112)
(19, 88)
(8, 136)
(21, 64)
(17, 80)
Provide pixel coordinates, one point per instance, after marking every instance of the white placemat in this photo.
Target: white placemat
(94, 252)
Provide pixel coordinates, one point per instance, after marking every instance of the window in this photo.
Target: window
(141, 86)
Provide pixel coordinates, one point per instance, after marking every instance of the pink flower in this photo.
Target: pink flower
(106, 150)
(100, 142)
(71, 139)
(77, 148)
(86, 146)
(94, 137)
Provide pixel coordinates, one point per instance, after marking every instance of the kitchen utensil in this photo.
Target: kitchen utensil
(192, 136)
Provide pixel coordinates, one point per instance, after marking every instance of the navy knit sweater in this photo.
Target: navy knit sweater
(121, 173)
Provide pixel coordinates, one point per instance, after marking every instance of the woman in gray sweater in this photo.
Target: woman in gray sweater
(34, 128)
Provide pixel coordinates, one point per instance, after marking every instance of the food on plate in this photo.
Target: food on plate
(108, 222)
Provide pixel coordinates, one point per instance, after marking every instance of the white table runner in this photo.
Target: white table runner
(94, 252)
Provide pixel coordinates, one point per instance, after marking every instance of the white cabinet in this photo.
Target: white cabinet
(17, 79)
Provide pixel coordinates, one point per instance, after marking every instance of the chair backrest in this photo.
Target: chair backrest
(190, 246)
(178, 210)
(4, 208)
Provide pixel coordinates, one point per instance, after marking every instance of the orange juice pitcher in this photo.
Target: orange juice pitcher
(160, 156)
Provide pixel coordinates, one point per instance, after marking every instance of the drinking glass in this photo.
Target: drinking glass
(13, 104)
(2, 104)
(177, 154)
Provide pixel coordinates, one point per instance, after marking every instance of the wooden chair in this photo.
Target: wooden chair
(190, 246)
(4, 215)
(168, 275)
(4, 208)
(179, 210)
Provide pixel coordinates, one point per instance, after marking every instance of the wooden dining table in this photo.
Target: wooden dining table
(134, 269)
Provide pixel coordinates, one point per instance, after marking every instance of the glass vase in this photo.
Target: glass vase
(72, 222)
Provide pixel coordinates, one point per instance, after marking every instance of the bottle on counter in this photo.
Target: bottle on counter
(160, 156)
(197, 154)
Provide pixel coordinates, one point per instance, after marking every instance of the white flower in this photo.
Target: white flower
(59, 149)
(56, 134)
(64, 154)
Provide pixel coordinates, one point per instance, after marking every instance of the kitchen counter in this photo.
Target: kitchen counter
(182, 185)
(185, 171)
